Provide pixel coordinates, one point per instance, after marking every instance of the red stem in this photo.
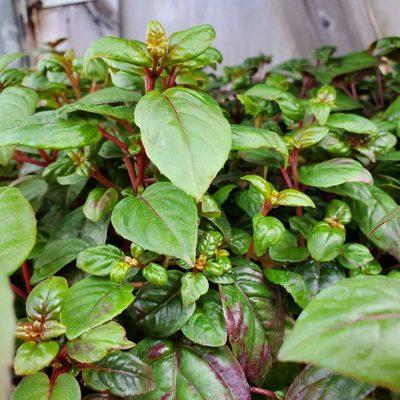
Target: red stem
(286, 177)
(264, 392)
(141, 165)
(113, 139)
(25, 274)
(18, 292)
(54, 155)
(131, 173)
(21, 157)
(45, 156)
(96, 174)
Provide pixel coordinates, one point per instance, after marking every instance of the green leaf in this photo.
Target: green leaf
(292, 282)
(44, 130)
(354, 256)
(45, 300)
(194, 285)
(91, 302)
(17, 229)
(315, 383)
(306, 137)
(100, 202)
(66, 387)
(359, 329)
(125, 113)
(210, 57)
(163, 219)
(155, 274)
(159, 310)
(209, 207)
(207, 326)
(334, 172)
(17, 102)
(6, 335)
(287, 251)
(9, 58)
(93, 345)
(121, 374)
(260, 184)
(368, 211)
(293, 197)
(267, 232)
(339, 211)
(184, 371)
(189, 125)
(188, 44)
(222, 194)
(240, 241)
(352, 123)
(321, 110)
(31, 357)
(119, 50)
(254, 320)
(249, 138)
(110, 95)
(55, 256)
(290, 105)
(32, 387)
(34, 188)
(325, 241)
(99, 260)
(37, 387)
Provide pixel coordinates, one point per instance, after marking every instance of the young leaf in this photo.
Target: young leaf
(360, 328)
(325, 241)
(184, 371)
(91, 302)
(163, 219)
(207, 326)
(121, 373)
(293, 197)
(352, 123)
(99, 260)
(45, 300)
(188, 44)
(9, 58)
(267, 232)
(260, 184)
(254, 320)
(354, 256)
(31, 357)
(17, 229)
(189, 125)
(194, 285)
(119, 50)
(159, 310)
(93, 345)
(334, 172)
(306, 137)
(99, 203)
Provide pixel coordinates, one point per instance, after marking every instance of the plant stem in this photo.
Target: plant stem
(96, 174)
(18, 292)
(25, 274)
(21, 157)
(264, 392)
(141, 165)
(113, 139)
(54, 155)
(286, 177)
(131, 173)
(294, 155)
(258, 121)
(45, 156)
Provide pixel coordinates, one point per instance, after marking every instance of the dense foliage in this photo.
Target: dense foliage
(173, 233)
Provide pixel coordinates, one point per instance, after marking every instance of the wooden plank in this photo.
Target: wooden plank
(244, 28)
(9, 41)
(313, 23)
(80, 24)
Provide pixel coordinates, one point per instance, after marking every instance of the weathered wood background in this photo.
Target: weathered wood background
(282, 28)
